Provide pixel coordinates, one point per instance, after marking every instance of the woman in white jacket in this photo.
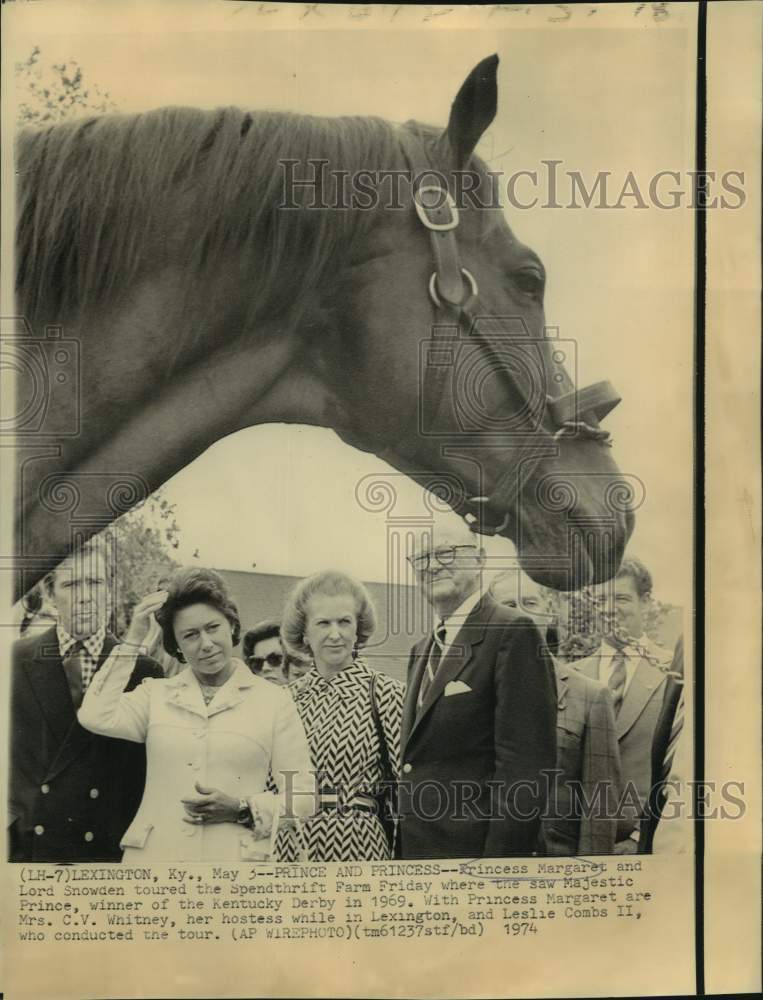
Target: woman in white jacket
(213, 733)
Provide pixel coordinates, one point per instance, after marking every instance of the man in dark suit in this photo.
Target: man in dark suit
(71, 794)
(633, 668)
(479, 718)
(580, 816)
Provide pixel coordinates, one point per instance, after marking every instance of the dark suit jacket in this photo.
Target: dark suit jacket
(71, 794)
(589, 764)
(635, 725)
(498, 725)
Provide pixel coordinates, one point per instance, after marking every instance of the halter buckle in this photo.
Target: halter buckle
(432, 215)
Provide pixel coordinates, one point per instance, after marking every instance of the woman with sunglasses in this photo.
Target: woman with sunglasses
(351, 716)
(264, 654)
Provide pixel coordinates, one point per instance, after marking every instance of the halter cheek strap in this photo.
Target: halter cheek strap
(453, 288)
(437, 210)
(454, 292)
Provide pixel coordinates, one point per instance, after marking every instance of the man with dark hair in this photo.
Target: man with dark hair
(632, 667)
(71, 794)
(264, 654)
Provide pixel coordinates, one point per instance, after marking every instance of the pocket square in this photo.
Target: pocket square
(456, 687)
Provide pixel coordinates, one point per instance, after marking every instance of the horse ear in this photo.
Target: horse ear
(472, 111)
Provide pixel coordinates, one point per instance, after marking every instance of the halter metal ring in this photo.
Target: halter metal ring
(473, 289)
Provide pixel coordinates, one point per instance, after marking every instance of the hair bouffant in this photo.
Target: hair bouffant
(329, 583)
(194, 585)
(268, 629)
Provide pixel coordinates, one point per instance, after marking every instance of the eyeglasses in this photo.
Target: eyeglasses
(445, 556)
(272, 659)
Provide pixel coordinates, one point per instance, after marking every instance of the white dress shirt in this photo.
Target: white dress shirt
(454, 621)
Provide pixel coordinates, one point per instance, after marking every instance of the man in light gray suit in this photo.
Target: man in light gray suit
(633, 668)
(580, 815)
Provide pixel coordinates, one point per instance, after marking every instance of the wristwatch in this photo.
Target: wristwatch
(244, 816)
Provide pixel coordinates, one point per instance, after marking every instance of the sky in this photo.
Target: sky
(606, 94)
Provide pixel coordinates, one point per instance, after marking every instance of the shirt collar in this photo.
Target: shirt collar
(462, 612)
(93, 644)
(346, 681)
(242, 677)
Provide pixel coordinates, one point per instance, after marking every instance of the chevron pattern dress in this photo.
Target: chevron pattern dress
(345, 751)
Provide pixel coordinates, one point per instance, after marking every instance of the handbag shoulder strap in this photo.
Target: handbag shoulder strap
(384, 749)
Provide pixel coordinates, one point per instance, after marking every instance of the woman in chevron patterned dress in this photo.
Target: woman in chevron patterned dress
(328, 617)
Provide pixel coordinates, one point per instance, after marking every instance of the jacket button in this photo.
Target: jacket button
(407, 768)
(94, 793)
(44, 789)
(39, 830)
(89, 836)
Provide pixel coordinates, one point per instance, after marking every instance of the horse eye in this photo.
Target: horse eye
(530, 281)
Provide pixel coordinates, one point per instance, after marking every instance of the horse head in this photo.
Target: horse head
(210, 271)
(457, 383)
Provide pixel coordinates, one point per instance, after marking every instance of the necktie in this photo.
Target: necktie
(433, 663)
(617, 679)
(73, 670)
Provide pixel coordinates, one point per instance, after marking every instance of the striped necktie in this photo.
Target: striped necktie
(675, 732)
(435, 655)
(73, 669)
(617, 678)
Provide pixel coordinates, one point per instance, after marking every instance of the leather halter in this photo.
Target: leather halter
(453, 287)
(454, 292)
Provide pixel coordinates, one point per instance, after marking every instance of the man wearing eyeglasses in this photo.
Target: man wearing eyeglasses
(264, 655)
(479, 719)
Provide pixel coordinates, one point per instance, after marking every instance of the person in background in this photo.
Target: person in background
(264, 654)
(351, 715)
(479, 716)
(633, 668)
(71, 794)
(213, 733)
(587, 757)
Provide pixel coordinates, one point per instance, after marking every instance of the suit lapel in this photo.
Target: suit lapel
(419, 657)
(562, 673)
(459, 654)
(642, 688)
(589, 666)
(45, 673)
(77, 740)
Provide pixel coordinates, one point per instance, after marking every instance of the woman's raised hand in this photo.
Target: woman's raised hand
(142, 617)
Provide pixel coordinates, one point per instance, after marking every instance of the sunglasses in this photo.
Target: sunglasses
(272, 659)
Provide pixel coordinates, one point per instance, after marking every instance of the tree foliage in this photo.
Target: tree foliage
(584, 618)
(55, 92)
(143, 542)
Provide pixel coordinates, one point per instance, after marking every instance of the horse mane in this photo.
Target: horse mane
(97, 196)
